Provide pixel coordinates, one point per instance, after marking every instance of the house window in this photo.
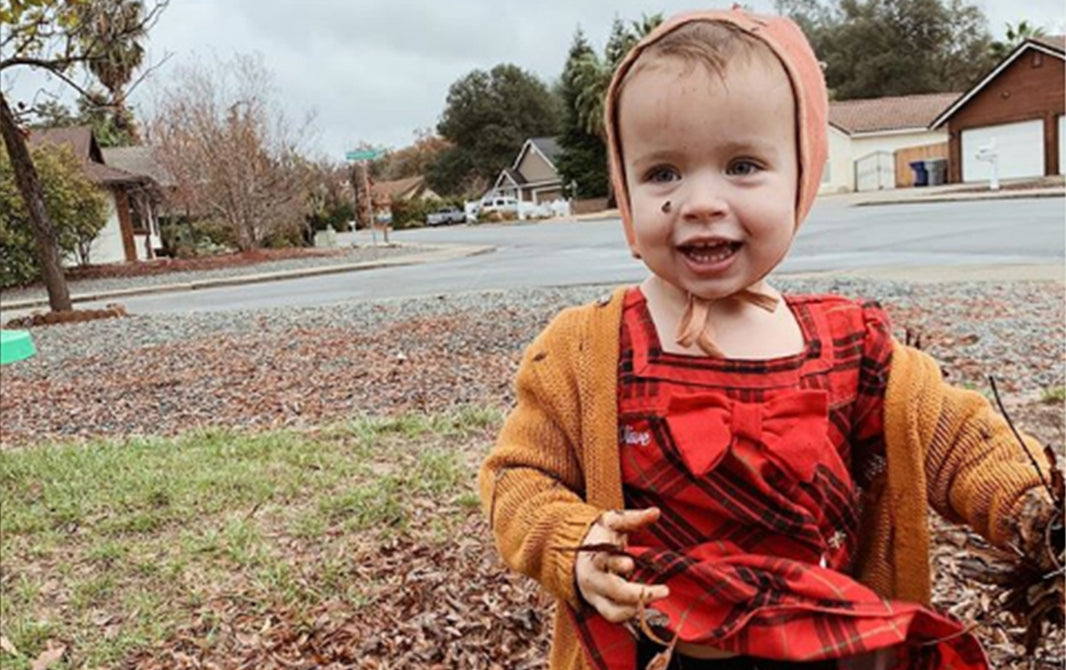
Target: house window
(1038, 59)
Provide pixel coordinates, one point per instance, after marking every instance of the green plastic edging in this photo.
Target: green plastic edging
(15, 345)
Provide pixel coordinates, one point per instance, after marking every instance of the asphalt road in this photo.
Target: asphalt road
(901, 238)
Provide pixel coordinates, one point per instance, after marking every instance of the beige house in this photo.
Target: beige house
(532, 177)
(132, 229)
(871, 141)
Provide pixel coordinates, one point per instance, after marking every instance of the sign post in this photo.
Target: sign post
(364, 156)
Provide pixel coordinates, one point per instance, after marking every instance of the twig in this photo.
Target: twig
(1017, 436)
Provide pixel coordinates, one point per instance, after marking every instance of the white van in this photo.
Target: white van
(500, 203)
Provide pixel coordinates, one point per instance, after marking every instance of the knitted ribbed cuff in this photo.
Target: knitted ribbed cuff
(561, 559)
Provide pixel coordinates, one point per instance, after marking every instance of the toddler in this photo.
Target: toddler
(706, 472)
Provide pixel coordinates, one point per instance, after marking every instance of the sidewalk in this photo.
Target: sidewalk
(1047, 187)
(440, 253)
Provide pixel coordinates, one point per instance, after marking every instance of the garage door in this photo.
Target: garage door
(1020, 147)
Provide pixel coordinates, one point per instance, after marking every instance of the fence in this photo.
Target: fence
(874, 172)
(904, 174)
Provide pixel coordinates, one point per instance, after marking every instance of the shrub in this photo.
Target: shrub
(177, 238)
(76, 206)
(412, 213)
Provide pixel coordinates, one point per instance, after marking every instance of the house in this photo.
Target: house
(532, 177)
(409, 188)
(1016, 110)
(871, 141)
(132, 229)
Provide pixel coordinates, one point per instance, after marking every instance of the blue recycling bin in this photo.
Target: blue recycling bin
(921, 175)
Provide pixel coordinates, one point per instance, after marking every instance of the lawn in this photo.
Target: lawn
(278, 549)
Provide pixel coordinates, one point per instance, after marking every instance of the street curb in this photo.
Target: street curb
(1017, 195)
(445, 253)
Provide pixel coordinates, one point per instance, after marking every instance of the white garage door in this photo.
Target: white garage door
(1062, 144)
(1020, 149)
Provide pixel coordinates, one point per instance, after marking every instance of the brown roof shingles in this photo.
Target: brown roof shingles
(80, 140)
(886, 114)
(1053, 41)
(398, 188)
(139, 160)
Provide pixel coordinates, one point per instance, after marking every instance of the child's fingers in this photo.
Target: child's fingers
(629, 520)
(620, 565)
(622, 592)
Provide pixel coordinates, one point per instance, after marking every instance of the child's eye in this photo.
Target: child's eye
(743, 168)
(661, 174)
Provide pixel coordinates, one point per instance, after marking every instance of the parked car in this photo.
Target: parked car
(500, 203)
(445, 215)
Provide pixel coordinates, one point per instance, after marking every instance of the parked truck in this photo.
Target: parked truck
(445, 215)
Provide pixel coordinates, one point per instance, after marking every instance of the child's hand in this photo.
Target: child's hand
(598, 573)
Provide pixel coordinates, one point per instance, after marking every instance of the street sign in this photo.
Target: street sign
(363, 155)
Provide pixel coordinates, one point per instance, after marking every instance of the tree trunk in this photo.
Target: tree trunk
(29, 186)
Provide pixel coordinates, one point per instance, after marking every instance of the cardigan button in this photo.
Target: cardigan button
(604, 300)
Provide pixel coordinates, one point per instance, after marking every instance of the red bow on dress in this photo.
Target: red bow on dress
(791, 428)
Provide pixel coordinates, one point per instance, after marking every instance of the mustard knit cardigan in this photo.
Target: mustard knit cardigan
(555, 467)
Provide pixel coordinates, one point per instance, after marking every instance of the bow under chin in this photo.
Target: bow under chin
(695, 326)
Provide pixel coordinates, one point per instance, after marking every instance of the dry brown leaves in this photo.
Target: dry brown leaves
(431, 605)
(166, 265)
(67, 316)
(302, 377)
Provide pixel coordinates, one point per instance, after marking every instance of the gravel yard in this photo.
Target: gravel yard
(163, 374)
(312, 259)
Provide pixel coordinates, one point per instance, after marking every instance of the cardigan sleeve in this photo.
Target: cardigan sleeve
(531, 484)
(976, 471)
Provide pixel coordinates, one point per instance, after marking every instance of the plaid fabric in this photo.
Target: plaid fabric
(757, 468)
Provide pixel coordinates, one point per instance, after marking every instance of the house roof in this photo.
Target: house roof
(516, 176)
(80, 139)
(888, 114)
(138, 160)
(1053, 41)
(83, 143)
(399, 189)
(547, 146)
(1053, 45)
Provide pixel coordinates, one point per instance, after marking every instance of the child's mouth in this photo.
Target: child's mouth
(710, 253)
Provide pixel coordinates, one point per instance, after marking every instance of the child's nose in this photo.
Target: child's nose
(703, 202)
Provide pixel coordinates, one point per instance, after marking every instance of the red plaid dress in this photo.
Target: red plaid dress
(757, 467)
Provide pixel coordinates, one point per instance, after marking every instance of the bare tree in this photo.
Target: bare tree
(231, 150)
(52, 36)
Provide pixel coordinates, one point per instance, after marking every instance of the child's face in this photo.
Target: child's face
(712, 172)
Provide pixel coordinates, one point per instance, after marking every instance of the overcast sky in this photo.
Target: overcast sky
(377, 70)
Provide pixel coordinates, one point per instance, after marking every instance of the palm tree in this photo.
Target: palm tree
(593, 74)
(112, 31)
(1016, 34)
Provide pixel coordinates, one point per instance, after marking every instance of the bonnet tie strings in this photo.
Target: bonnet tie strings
(695, 326)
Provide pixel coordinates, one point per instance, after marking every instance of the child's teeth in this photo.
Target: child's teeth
(711, 254)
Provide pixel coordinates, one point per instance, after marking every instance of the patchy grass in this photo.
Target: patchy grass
(108, 547)
(1053, 396)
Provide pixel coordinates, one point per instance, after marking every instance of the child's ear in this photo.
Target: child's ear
(633, 250)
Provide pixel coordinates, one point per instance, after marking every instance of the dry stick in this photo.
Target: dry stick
(1017, 436)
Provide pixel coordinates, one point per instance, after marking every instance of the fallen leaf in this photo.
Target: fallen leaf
(49, 657)
(8, 646)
